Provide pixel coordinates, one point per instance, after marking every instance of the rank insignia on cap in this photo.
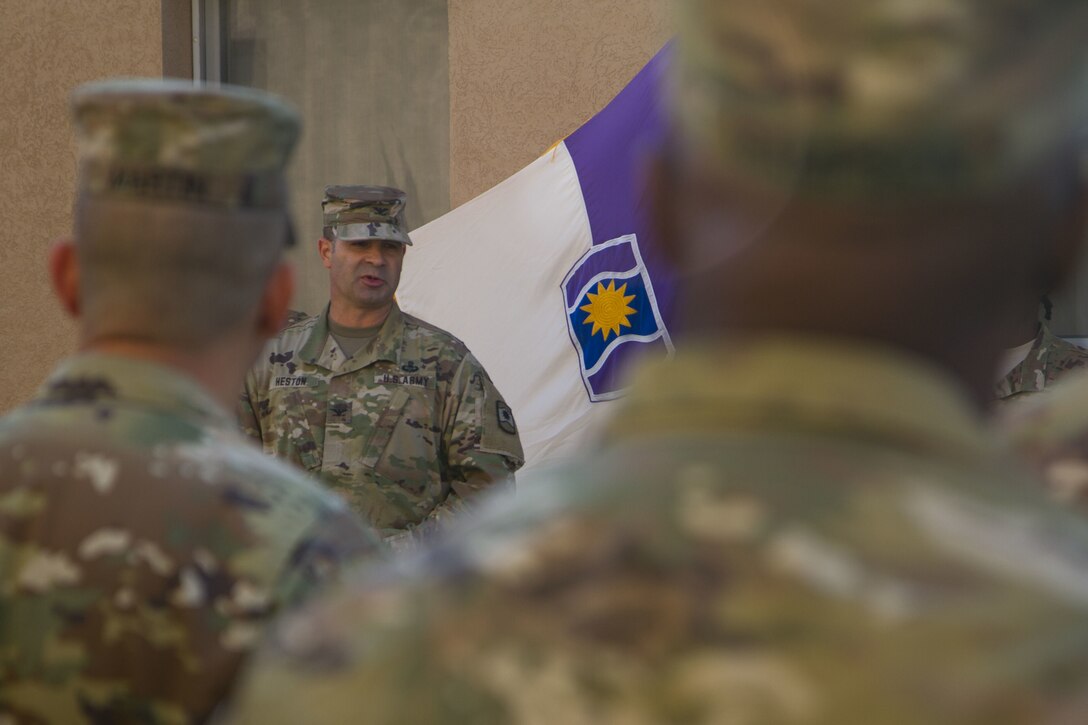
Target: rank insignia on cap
(612, 314)
(506, 417)
(361, 213)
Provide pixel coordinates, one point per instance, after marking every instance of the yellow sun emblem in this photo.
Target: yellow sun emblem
(607, 309)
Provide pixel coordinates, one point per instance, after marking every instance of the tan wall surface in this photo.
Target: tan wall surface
(46, 49)
(525, 74)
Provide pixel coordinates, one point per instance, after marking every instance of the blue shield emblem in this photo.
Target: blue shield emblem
(612, 314)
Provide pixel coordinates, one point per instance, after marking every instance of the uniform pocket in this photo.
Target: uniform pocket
(384, 427)
(296, 419)
(405, 447)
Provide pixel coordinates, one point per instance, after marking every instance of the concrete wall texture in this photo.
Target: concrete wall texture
(525, 74)
(46, 49)
(522, 76)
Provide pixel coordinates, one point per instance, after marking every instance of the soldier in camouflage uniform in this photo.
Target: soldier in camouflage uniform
(144, 542)
(801, 518)
(391, 412)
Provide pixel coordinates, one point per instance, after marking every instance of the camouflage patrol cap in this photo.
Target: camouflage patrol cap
(359, 213)
(866, 97)
(174, 141)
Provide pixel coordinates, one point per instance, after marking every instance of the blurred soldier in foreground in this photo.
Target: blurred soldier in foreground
(391, 412)
(801, 519)
(1039, 362)
(144, 543)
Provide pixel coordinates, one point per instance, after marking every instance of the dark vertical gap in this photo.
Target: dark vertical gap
(177, 38)
(222, 41)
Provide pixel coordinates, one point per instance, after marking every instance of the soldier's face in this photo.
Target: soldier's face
(365, 274)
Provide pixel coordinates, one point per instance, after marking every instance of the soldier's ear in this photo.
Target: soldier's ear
(272, 315)
(64, 274)
(324, 249)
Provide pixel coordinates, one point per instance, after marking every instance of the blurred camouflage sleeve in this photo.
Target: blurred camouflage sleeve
(480, 449)
(335, 541)
(249, 405)
(480, 437)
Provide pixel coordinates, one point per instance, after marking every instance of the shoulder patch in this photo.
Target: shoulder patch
(505, 417)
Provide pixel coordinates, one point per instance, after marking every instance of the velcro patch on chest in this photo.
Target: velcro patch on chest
(290, 381)
(340, 411)
(419, 381)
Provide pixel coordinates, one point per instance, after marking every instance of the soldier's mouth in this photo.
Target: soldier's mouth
(371, 280)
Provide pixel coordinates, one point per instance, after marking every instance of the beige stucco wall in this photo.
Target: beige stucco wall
(47, 48)
(525, 74)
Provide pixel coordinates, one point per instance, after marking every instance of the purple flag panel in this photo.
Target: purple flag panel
(609, 153)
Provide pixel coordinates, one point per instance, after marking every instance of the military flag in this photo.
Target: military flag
(550, 278)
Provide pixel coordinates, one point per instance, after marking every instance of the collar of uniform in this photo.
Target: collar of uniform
(1023, 377)
(804, 385)
(93, 377)
(321, 349)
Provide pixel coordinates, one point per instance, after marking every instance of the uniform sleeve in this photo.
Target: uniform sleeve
(410, 539)
(481, 450)
(249, 408)
(336, 541)
(480, 437)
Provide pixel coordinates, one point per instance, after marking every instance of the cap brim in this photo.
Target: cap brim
(362, 232)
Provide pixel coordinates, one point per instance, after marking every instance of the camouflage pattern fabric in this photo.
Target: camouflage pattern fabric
(144, 544)
(406, 430)
(859, 99)
(789, 532)
(356, 213)
(172, 140)
(1050, 359)
(295, 316)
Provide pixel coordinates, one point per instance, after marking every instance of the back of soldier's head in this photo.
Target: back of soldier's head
(900, 171)
(181, 213)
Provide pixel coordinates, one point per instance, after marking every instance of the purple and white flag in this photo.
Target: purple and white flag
(549, 277)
